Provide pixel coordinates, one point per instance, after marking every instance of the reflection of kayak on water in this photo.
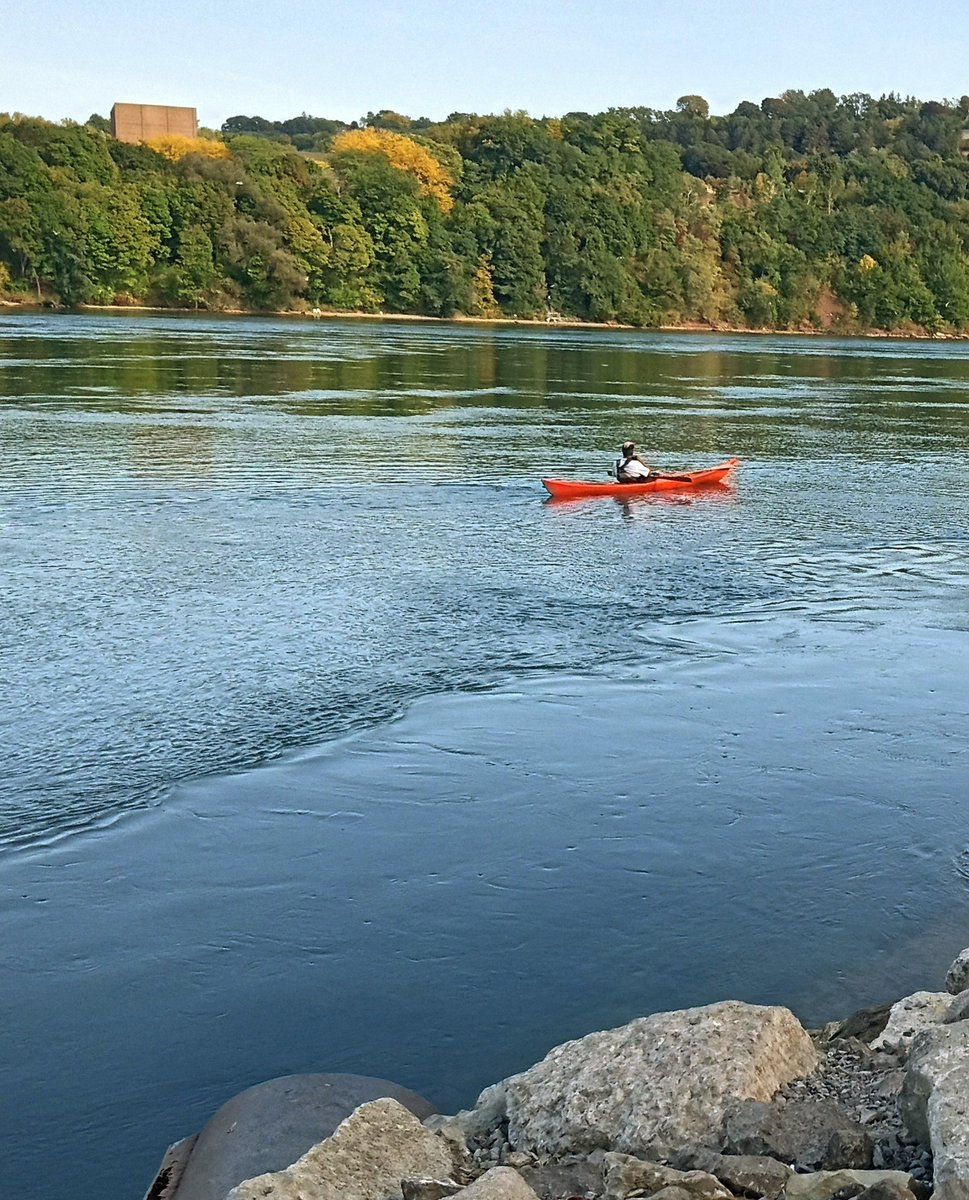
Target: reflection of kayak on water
(574, 489)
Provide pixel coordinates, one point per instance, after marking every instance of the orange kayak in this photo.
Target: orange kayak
(572, 489)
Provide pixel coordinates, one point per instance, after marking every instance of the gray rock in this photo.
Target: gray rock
(517, 1159)
(269, 1126)
(744, 1174)
(623, 1174)
(500, 1183)
(851, 1146)
(428, 1189)
(813, 1134)
(825, 1185)
(865, 1025)
(172, 1168)
(367, 1157)
(467, 1125)
(909, 1017)
(891, 1083)
(561, 1181)
(883, 1061)
(958, 1010)
(654, 1085)
(951, 1190)
(957, 976)
(671, 1193)
(887, 1189)
(935, 1103)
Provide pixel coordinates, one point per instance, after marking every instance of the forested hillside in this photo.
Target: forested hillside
(804, 210)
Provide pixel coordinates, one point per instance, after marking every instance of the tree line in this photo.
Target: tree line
(807, 210)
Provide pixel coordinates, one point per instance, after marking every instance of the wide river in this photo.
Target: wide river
(328, 745)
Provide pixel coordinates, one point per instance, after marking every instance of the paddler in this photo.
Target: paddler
(632, 468)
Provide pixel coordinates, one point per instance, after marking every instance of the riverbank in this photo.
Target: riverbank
(713, 1103)
(717, 327)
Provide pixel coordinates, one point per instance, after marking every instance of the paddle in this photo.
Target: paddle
(653, 475)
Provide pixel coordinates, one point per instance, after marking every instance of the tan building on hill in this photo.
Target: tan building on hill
(139, 122)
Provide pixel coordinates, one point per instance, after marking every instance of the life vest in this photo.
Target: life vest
(622, 464)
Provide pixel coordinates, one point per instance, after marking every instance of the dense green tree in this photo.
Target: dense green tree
(777, 214)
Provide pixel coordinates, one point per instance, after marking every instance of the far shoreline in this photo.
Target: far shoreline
(570, 323)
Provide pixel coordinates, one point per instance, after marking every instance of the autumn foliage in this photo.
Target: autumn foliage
(176, 145)
(406, 155)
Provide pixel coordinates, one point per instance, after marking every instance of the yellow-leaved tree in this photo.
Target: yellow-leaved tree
(177, 145)
(406, 155)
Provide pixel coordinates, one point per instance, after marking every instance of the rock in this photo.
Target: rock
(655, 1084)
(744, 1174)
(957, 976)
(500, 1183)
(671, 1193)
(623, 1174)
(891, 1083)
(883, 1061)
(935, 1103)
(958, 1010)
(887, 1189)
(518, 1159)
(562, 1181)
(172, 1168)
(461, 1129)
(865, 1025)
(909, 1017)
(813, 1134)
(825, 1185)
(850, 1146)
(366, 1158)
(428, 1189)
(269, 1126)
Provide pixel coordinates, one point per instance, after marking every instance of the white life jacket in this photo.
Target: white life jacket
(631, 468)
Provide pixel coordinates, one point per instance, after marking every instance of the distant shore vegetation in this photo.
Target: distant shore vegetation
(806, 211)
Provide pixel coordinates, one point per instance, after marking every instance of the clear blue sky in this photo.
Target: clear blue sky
(69, 58)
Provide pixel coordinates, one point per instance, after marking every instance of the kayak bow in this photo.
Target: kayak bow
(573, 489)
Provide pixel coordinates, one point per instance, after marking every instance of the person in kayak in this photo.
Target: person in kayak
(632, 468)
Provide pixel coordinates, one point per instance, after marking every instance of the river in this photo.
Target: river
(329, 745)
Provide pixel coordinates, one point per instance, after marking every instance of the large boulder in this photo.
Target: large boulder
(367, 1157)
(563, 1180)
(958, 1010)
(909, 1017)
(814, 1135)
(865, 1025)
(429, 1189)
(267, 1127)
(500, 1183)
(624, 1174)
(957, 977)
(169, 1176)
(825, 1185)
(744, 1174)
(654, 1085)
(935, 1104)
(887, 1189)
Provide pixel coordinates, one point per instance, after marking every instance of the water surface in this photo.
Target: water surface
(328, 745)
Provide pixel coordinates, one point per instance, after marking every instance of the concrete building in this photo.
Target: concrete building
(139, 122)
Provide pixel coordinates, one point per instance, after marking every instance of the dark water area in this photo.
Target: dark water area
(328, 745)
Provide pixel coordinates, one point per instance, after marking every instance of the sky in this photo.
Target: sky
(71, 58)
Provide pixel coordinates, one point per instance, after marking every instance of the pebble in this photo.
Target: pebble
(866, 1085)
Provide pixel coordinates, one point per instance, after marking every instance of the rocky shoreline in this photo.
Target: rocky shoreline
(728, 1100)
(905, 332)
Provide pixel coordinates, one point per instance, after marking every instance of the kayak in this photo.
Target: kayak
(574, 489)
